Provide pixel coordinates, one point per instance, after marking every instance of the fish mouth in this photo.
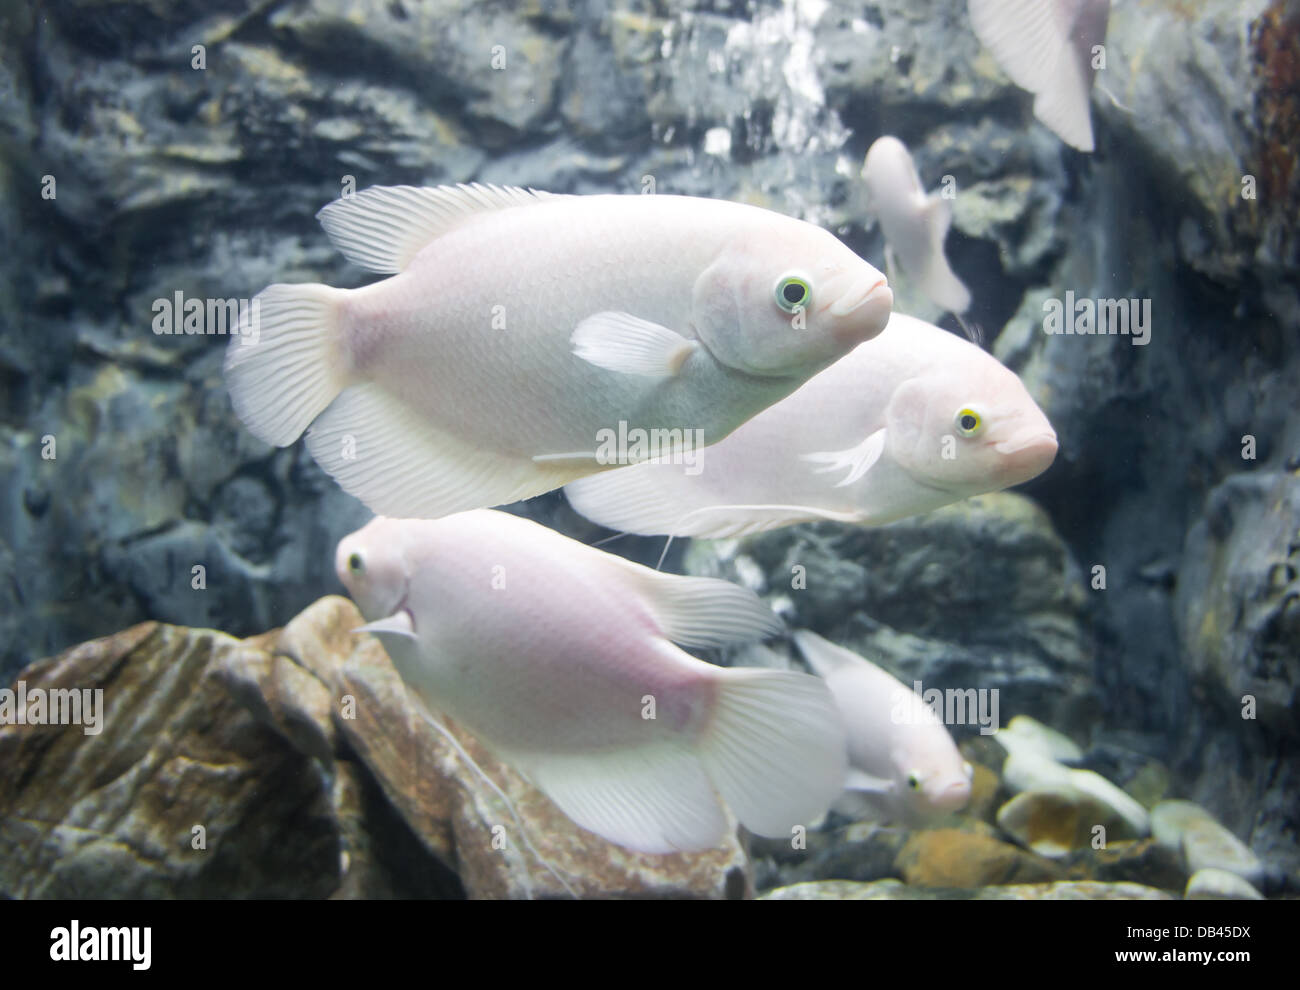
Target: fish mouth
(1042, 444)
(868, 290)
(953, 797)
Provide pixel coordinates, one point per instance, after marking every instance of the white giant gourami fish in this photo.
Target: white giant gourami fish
(562, 660)
(913, 420)
(1047, 47)
(902, 761)
(518, 328)
(914, 224)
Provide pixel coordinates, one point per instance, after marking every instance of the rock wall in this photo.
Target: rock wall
(170, 178)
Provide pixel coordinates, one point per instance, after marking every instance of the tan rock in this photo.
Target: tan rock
(1202, 841)
(1055, 822)
(1215, 884)
(1142, 861)
(952, 858)
(983, 793)
(182, 794)
(893, 890)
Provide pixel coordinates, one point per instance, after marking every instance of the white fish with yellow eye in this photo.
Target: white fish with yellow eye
(915, 225)
(903, 764)
(910, 421)
(1051, 49)
(562, 660)
(519, 329)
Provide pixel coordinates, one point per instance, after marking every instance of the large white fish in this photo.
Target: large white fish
(908, 422)
(914, 224)
(902, 760)
(521, 329)
(561, 659)
(1046, 47)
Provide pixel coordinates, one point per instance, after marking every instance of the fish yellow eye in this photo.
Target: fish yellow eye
(968, 422)
(914, 781)
(792, 293)
(355, 564)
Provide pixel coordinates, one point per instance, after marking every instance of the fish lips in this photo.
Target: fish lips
(861, 313)
(1029, 455)
(953, 797)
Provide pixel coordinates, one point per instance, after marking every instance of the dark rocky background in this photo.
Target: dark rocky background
(206, 181)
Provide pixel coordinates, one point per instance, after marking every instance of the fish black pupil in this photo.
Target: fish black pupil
(968, 422)
(354, 562)
(793, 293)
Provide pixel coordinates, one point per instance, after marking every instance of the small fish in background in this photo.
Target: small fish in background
(903, 763)
(914, 224)
(1046, 47)
(561, 659)
(519, 328)
(911, 421)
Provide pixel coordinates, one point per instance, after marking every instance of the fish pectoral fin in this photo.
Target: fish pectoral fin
(858, 460)
(628, 344)
(397, 624)
(865, 783)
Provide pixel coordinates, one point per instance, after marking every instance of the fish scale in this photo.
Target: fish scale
(563, 660)
(644, 312)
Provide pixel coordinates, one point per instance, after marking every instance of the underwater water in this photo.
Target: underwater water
(998, 600)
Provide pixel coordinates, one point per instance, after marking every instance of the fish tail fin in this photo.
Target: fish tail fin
(938, 281)
(942, 287)
(775, 748)
(286, 365)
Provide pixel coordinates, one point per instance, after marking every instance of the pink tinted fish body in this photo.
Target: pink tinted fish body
(562, 659)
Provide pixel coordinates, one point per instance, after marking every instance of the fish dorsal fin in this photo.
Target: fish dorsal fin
(382, 228)
(823, 656)
(1044, 46)
(1025, 37)
(858, 460)
(703, 612)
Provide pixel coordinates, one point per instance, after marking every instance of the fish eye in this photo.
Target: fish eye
(355, 564)
(793, 293)
(968, 421)
(914, 780)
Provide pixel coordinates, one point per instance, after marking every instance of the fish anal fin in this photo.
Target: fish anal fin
(386, 454)
(654, 798)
